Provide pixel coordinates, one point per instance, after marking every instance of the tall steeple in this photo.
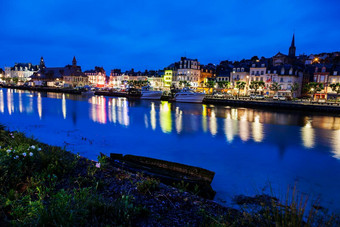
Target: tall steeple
(42, 63)
(292, 48)
(74, 62)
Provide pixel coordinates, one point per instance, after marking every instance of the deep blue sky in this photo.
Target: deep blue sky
(153, 34)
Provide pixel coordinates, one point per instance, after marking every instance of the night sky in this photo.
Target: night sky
(152, 34)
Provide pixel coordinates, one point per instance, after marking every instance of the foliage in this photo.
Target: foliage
(223, 84)
(256, 85)
(32, 176)
(336, 88)
(184, 83)
(210, 84)
(313, 88)
(148, 185)
(275, 87)
(240, 85)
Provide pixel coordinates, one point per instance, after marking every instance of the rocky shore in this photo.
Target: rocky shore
(46, 185)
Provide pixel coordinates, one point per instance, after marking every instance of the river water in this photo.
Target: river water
(251, 150)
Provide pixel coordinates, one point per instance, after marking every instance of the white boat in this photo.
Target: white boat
(187, 95)
(87, 93)
(148, 93)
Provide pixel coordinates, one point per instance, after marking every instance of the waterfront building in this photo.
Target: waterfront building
(240, 73)
(207, 71)
(52, 76)
(155, 78)
(22, 72)
(73, 75)
(169, 74)
(257, 72)
(2, 75)
(321, 75)
(286, 76)
(334, 77)
(115, 78)
(97, 77)
(189, 70)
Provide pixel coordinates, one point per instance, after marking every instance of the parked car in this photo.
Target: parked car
(219, 95)
(259, 97)
(282, 98)
(252, 96)
(275, 97)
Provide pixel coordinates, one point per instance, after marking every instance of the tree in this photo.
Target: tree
(275, 87)
(15, 80)
(184, 83)
(256, 85)
(336, 88)
(240, 85)
(223, 84)
(210, 84)
(313, 88)
(294, 87)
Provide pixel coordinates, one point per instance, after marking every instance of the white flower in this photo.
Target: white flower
(98, 165)
(8, 151)
(33, 147)
(31, 154)
(39, 149)
(24, 154)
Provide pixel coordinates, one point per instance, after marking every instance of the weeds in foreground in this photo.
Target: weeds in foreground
(30, 191)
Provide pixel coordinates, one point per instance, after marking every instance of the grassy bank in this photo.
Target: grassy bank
(42, 185)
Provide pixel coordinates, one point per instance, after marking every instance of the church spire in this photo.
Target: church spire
(292, 47)
(74, 62)
(42, 63)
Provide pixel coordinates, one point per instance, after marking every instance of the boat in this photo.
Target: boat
(187, 95)
(148, 93)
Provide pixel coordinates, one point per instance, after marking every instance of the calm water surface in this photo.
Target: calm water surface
(250, 150)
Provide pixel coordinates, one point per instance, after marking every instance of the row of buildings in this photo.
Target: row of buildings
(291, 72)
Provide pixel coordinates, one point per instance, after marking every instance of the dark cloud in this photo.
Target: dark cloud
(152, 34)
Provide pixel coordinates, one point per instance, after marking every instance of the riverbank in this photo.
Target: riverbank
(42, 184)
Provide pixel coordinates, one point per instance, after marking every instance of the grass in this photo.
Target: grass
(33, 192)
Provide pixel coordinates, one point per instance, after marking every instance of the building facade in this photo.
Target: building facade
(97, 77)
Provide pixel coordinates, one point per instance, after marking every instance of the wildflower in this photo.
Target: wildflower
(98, 165)
(33, 147)
(13, 137)
(16, 157)
(39, 149)
(31, 154)
(8, 151)
(24, 154)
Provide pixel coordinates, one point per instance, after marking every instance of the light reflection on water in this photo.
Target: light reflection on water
(237, 143)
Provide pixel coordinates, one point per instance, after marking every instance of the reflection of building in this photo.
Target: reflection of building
(165, 117)
(307, 135)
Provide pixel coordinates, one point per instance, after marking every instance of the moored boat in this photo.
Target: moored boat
(187, 95)
(148, 93)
